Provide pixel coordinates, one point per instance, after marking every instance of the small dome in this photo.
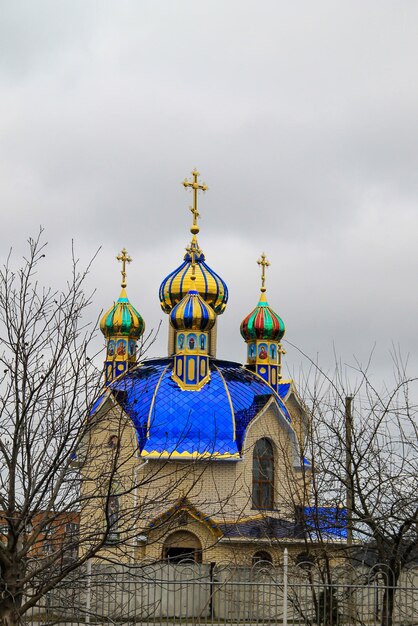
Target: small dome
(192, 313)
(210, 286)
(262, 323)
(122, 319)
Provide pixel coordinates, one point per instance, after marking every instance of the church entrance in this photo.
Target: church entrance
(182, 547)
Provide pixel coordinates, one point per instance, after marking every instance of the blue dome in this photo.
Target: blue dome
(211, 422)
(192, 313)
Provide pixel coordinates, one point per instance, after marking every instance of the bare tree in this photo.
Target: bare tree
(72, 485)
(365, 461)
(48, 384)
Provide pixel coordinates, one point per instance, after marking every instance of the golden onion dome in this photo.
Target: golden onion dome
(192, 313)
(178, 283)
(122, 319)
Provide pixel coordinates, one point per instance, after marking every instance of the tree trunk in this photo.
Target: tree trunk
(388, 603)
(9, 614)
(11, 595)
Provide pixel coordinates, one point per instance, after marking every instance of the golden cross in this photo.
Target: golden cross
(264, 262)
(125, 258)
(196, 186)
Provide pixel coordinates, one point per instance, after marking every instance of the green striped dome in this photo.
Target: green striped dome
(122, 319)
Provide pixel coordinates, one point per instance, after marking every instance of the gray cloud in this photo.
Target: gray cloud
(302, 119)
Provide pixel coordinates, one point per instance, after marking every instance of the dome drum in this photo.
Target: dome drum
(193, 319)
(122, 326)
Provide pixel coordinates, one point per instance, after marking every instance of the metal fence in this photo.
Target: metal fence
(190, 593)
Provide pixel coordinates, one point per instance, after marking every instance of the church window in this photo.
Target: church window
(4, 530)
(182, 547)
(262, 558)
(113, 519)
(263, 475)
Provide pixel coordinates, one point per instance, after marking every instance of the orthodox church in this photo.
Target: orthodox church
(195, 457)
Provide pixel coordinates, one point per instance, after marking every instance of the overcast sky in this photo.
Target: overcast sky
(302, 118)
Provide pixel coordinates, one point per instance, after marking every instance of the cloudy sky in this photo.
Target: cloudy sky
(302, 118)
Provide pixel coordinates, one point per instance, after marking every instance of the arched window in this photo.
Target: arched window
(262, 558)
(182, 546)
(263, 475)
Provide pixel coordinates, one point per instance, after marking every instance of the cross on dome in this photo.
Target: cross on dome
(124, 258)
(263, 262)
(196, 187)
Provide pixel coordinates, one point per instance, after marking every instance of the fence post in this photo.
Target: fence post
(88, 591)
(285, 574)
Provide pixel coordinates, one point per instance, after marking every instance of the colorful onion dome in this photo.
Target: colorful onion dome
(262, 323)
(210, 286)
(192, 313)
(122, 319)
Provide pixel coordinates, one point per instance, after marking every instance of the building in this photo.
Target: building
(194, 457)
(49, 533)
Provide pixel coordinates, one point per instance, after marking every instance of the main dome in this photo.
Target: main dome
(172, 423)
(207, 282)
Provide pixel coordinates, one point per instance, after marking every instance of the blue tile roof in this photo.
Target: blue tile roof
(178, 423)
(326, 520)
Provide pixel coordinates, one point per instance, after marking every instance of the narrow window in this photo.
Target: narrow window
(113, 535)
(263, 475)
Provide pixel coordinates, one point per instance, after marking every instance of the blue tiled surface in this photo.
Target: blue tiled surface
(326, 520)
(97, 404)
(192, 421)
(283, 390)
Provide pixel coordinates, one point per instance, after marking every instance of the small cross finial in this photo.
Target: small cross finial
(196, 187)
(263, 262)
(125, 258)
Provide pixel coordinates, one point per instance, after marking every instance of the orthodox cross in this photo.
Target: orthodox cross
(125, 258)
(196, 186)
(263, 262)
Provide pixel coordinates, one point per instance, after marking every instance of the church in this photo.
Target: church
(190, 457)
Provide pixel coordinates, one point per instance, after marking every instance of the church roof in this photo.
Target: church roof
(171, 422)
(316, 522)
